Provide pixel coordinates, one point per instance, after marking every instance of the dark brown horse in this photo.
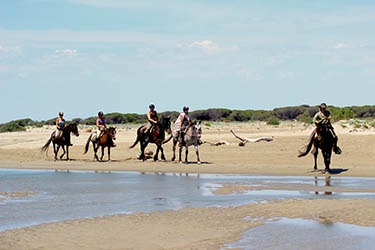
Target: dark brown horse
(156, 136)
(64, 140)
(324, 141)
(106, 140)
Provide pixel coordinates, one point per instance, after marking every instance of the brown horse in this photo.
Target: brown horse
(155, 136)
(325, 141)
(64, 140)
(106, 140)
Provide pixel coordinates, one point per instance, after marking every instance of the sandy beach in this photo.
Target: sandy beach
(279, 157)
(194, 228)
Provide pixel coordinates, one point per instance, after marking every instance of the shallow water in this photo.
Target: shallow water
(289, 234)
(78, 194)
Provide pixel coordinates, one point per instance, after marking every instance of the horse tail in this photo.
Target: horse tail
(308, 147)
(87, 144)
(138, 138)
(45, 147)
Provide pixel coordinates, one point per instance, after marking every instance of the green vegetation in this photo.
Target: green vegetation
(18, 125)
(273, 121)
(303, 113)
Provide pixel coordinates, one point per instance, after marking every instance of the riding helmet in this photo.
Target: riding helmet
(185, 108)
(152, 106)
(61, 113)
(100, 113)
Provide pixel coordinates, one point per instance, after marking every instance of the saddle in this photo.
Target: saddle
(103, 138)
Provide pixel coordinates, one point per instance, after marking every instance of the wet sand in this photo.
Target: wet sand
(187, 228)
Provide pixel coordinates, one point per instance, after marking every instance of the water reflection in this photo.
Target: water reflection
(61, 195)
(327, 184)
(306, 234)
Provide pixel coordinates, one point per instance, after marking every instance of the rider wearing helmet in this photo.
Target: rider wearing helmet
(100, 125)
(60, 124)
(152, 117)
(323, 117)
(181, 124)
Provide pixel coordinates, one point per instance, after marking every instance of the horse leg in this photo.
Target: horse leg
(186, 153)
(197, 152)
(327, 161)
(54, 150)
(63, 148)
(143, 147)
(174, 150)
(109, 153)
(101, 157)
(67, 152)
(316, 159)
(96, 147)
(162, 153)
(180, 152)
(57, 151)
(156, 156)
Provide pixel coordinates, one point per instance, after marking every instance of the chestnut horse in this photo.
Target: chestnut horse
(106, 140)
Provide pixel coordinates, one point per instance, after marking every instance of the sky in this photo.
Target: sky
(83, 56)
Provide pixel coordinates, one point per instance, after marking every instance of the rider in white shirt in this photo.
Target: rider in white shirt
(182, 122)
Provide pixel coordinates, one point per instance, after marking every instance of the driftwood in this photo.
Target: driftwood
(244, 140)
(219, 143)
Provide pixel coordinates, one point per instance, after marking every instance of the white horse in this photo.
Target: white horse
(192, 137)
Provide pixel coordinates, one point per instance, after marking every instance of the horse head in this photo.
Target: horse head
(112, 132)
(165, 122)
(197, 130)
(73, 127)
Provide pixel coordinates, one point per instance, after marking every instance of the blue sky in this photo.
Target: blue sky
(82, 56)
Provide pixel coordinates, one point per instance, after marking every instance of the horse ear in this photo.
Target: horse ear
(199, 122)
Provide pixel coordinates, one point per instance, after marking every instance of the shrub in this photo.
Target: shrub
(273, 121)
(17, 125)
(305, 118)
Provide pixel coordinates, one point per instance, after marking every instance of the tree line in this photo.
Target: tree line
(303, 113)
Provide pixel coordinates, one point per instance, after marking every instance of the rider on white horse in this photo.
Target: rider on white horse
(182, 122)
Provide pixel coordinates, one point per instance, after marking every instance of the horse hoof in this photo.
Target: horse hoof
(199, 163)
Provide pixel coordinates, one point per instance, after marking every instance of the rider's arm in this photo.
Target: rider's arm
(57, 123)
(150, 119)
(316, 118)
(181, 120)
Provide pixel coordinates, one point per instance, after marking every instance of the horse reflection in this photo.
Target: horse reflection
(327, 184)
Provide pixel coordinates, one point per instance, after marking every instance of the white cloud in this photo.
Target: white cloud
(343, 46)
(66, 51)
(206, 45)
(10, 50)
